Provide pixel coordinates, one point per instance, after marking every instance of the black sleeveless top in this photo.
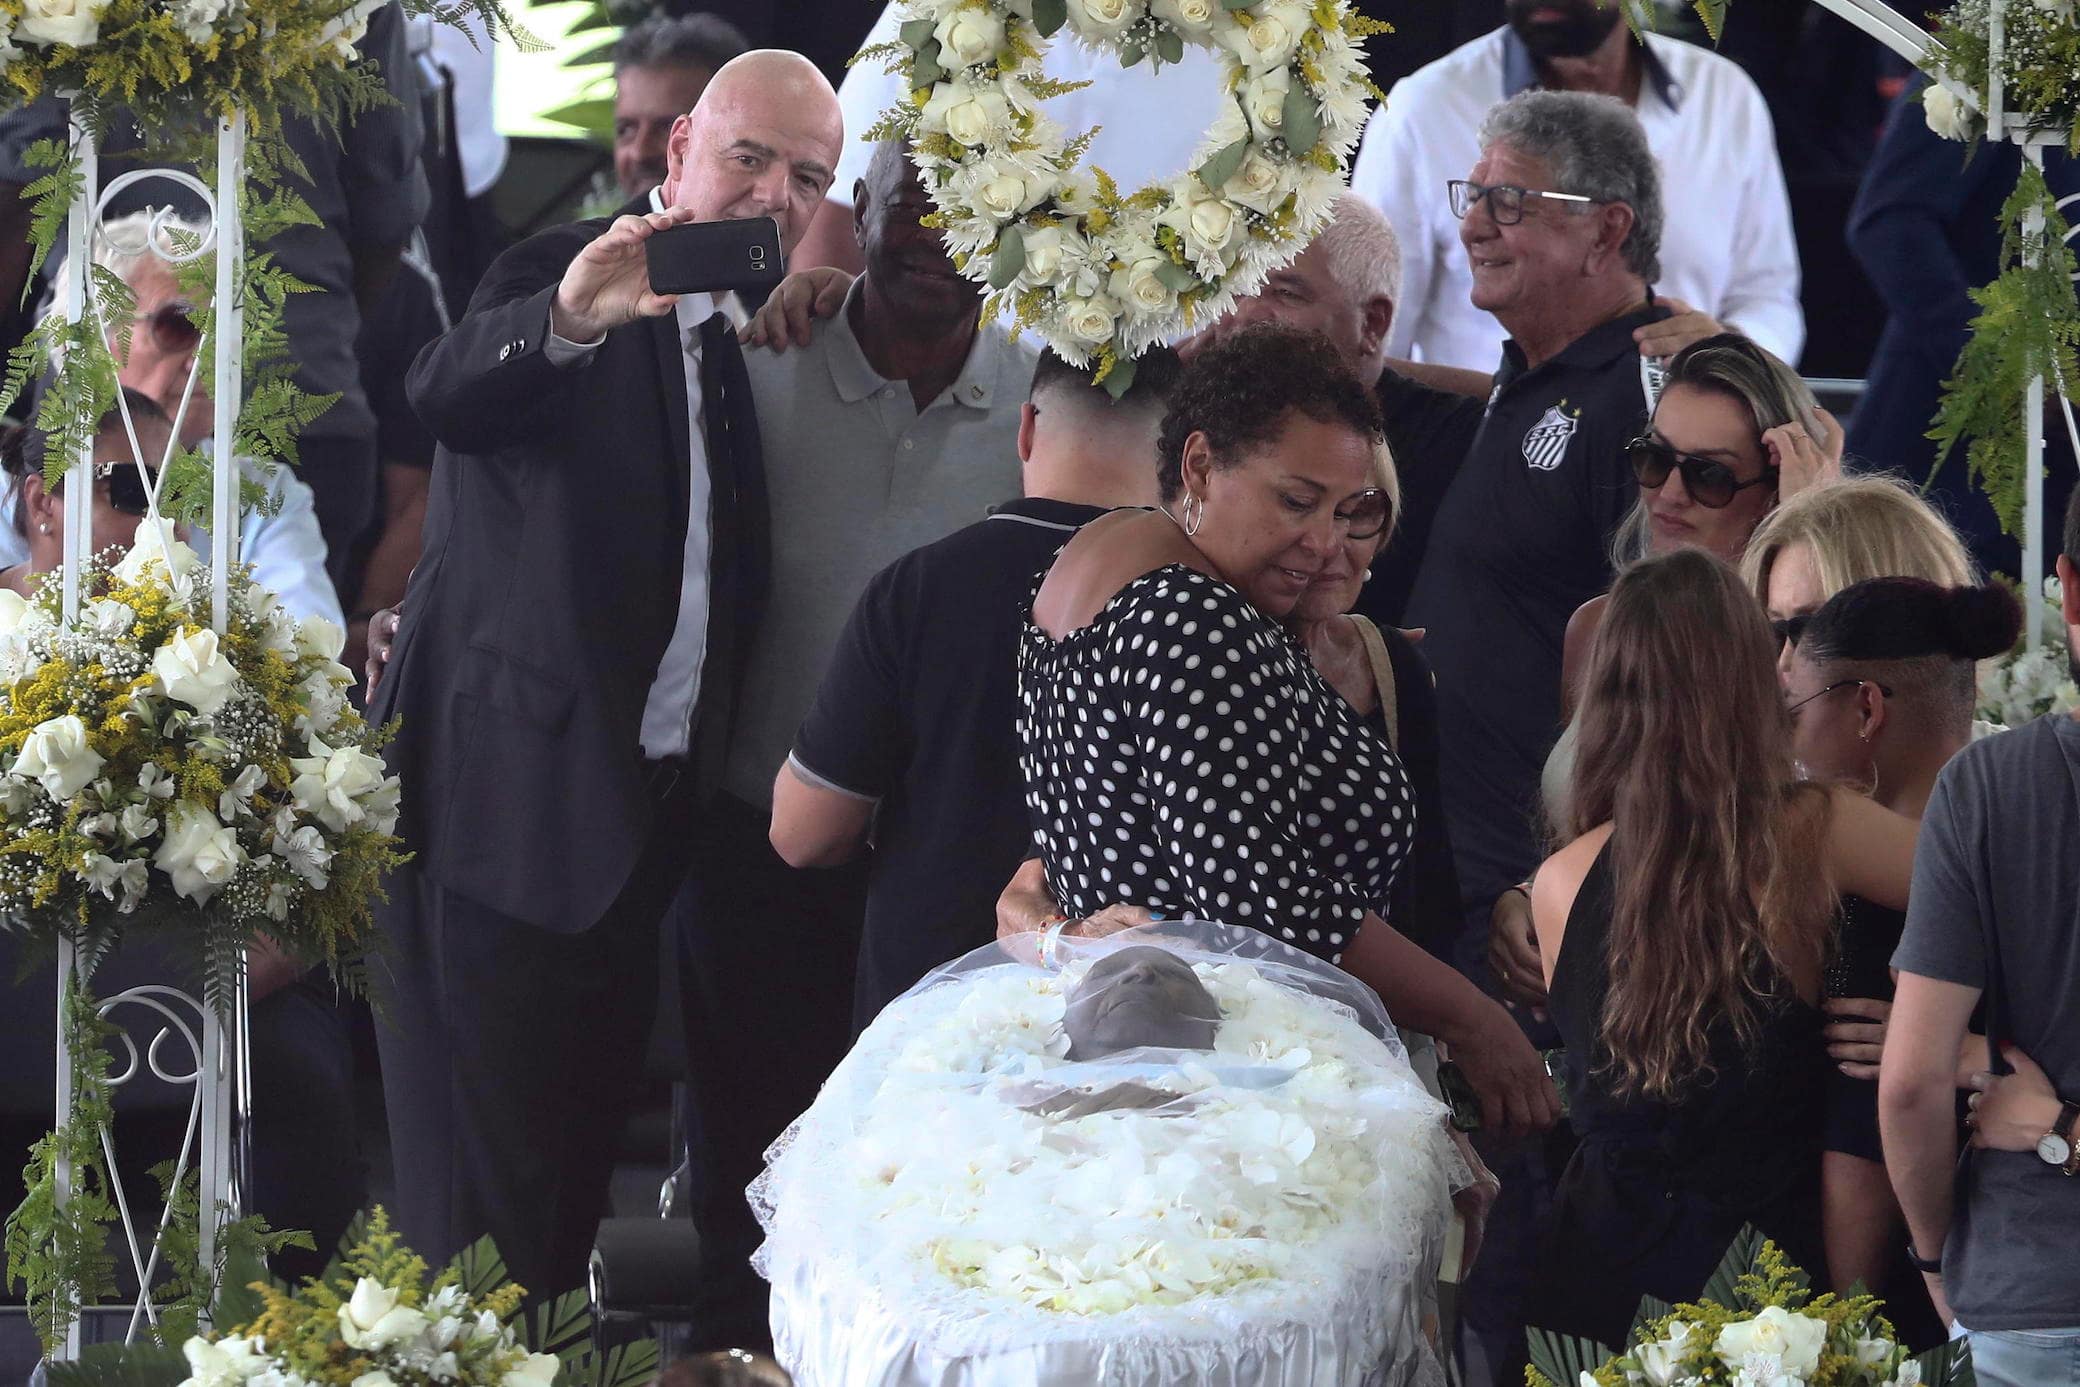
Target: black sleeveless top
(1659, 1188)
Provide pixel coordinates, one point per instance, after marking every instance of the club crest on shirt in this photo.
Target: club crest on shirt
(1545, 444)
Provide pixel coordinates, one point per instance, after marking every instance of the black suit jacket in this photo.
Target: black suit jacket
(547, 587)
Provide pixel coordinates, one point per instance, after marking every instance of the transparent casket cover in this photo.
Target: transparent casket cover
(985, 1191)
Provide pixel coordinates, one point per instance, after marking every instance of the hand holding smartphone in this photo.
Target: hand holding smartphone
(716, 257)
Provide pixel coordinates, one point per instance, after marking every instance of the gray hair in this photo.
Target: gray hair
(689, 40)
(124, 243)
(1593, 146)
(1363, 253)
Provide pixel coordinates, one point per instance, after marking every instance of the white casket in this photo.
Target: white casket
(964, 1206)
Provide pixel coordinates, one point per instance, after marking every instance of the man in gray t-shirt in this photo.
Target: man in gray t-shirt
(1995, 912)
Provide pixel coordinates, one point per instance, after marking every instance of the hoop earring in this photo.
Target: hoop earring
(1194, 511)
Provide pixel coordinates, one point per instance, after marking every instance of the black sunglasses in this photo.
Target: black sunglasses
(126, 490)
(173, 326)
(1789, 628)
(1366, 514)
(1712, 485)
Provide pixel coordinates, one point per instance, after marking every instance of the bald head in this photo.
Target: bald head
(763, 142)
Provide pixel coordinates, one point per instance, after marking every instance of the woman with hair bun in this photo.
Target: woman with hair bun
(1881, 686)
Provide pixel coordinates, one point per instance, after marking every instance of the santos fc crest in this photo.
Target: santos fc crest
(1545, 445)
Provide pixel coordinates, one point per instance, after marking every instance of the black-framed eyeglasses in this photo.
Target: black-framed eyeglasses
(1366, 513)
(126, 489)
(1505, 200)
(173, 327)
(1789, 628)
(1712, 485)
(1836, 687)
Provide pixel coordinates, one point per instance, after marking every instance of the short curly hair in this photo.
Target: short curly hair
(1239, 390)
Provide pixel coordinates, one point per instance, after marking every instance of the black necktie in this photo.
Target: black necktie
(738, 556)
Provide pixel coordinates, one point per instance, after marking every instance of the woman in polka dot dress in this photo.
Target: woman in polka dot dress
(1180, 751)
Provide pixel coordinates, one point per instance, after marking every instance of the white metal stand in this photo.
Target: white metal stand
(217, 1066)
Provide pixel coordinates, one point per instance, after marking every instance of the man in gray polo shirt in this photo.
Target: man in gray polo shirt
(895, 426)
(1995, 914)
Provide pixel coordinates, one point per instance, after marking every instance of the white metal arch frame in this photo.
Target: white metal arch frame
(220, 1076)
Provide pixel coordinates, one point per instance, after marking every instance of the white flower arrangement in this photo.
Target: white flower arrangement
(2039, 62)
(2023, 685)
(1103, 274)
(153, 768)
(1757, 1324)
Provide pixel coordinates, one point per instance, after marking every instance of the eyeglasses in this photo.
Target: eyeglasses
(173, 327)
(1366, 514)
(1836, 687)
(1505, 200)
(1789, 628)
(1712, 485)
(126, 490)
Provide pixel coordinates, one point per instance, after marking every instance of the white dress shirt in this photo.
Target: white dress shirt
(1726, 244)
(668, 711)
(1151, 123)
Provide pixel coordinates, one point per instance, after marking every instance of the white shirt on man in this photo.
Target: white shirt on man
(1726, 246)
(1150, 123)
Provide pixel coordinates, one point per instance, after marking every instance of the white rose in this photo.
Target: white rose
(320, 639)
(966, 113)
(56, 754)
(1001, 194)
(1187, 16)
(108, 617)
(73, 22)
(1209, 223)
(1260, 184)
(967, 37)
(374, 1319)
(193, 670)
(199, 855)
(1264, 102)
(155, 544)
(1137, 286)
(1090, 320)
(1795, 1340)
(1044, 249)
(377, 1379)
(330, 784)
(14, 608)
(1265, 37)
(1945, 114)
(1102, 19)
(535, 1370)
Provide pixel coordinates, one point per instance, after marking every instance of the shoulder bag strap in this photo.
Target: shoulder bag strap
(1382, 676)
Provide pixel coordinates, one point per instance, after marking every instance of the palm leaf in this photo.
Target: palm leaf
(142, 1364)
(479, 1270)
(1563, 1358)
(1651, 1308)
(1740, 1259)
(629, 1365)
(561, 1323)
(1948, 1365)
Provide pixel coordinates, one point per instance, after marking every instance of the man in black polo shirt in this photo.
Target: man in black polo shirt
(1561, 222)
(912, 736)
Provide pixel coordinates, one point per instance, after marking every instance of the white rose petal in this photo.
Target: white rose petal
(375, 1318)
(73, 22)
(1187, 16)
(1102, 19)
(966, 113)
(968, 37)
(192, 669)
(1266, 35)
(1138, 287)
(199, 855)
(155, 545)
(1794, 1340)
(56, 755)
(1264, 102)
(1945, 114)
(1260, 184)
(1090, 320)
(320, 639)
(14, 610)
(535, 1370)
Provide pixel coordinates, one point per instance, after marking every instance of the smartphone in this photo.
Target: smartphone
(714, 257)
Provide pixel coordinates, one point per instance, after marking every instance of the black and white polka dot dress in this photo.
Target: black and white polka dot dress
(1181, 753)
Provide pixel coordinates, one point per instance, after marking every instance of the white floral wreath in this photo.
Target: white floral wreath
(1099, 273)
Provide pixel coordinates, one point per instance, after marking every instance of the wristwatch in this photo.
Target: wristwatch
(2055, 1147)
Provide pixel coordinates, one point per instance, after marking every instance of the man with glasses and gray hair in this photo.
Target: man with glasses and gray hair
(1730, 249)
(1561, 221)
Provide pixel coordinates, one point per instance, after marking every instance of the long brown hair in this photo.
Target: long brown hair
(1715, 847)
